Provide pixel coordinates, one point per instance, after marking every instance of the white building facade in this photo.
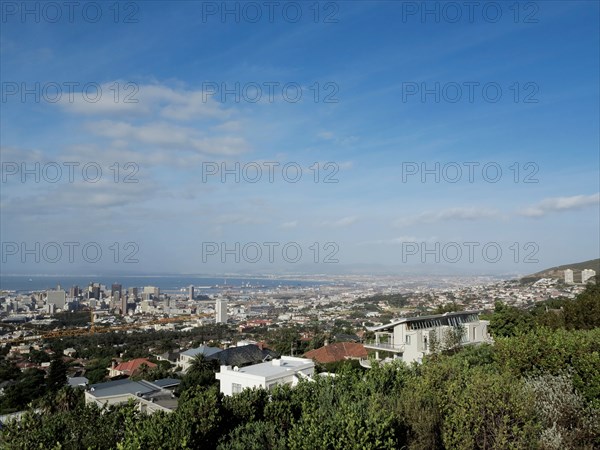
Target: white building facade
(569, 276)
(586, 274)
(221, 310)
(267, 375)
(411, 338)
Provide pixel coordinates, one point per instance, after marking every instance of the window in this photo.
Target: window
(236, 388)
(407, 339)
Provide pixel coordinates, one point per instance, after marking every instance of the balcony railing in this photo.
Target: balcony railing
(385, 346)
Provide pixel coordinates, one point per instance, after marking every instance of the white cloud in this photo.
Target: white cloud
(559, 204)
(467, 214)
(343, 140)
(80, 195)
(168, 136)
(400, 240)
(340, 223)
(121, 97)
(327, 135)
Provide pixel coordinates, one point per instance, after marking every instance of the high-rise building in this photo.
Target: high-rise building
(152, 291)
(57, 298)
(74, 292)
(94, 291)
(116, 288)
(191, 292)
(221, 310)
(133, 293)
(569, 276)
(586, 274)
(124, 305)
(145, 305)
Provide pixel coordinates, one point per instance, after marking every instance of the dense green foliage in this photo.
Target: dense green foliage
(582, 313)
(488, 397)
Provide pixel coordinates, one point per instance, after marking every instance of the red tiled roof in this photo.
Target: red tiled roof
(131, 367)
(337, 352)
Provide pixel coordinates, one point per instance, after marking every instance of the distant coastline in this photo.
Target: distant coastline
(26, 283)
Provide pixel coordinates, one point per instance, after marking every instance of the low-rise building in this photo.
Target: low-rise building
(186, 358)
(287, 370)
(77, 381)
(411, 338)
(129, 368)
(339, 351)
(149, 396)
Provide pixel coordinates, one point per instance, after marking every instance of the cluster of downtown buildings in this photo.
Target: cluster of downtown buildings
(248, 307)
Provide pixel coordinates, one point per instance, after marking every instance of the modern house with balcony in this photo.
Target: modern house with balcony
(411, 338)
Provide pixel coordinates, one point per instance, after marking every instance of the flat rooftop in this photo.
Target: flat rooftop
(276, 367)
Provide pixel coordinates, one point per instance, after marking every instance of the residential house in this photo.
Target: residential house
(185, 358)
(244, 355)
(129, 368)
(148, 396)
(411, 338)
(339, 351)
(287, 370)
(171, 356)
(77, 381)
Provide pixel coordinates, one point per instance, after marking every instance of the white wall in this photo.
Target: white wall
(227, 377)
(476, 332)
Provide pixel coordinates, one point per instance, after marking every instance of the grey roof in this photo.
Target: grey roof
(419, 318)
(121, 387)
(170, 356)
(347, 338)
(243, 356)
(167, 382)
(77, 381)
(202, 350)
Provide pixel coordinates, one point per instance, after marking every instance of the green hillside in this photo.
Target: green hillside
(558, 272)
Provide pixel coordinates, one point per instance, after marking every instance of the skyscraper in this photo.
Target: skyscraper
(74, 291)
(124, 305)
(94, 291)
(586, 274)
(191, 292)
(152, 291)
(221, 310)
(57, 298)
(569, 276)
(116, 288)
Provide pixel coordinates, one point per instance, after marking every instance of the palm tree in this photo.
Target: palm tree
(200, 373)
(201, 364)
(142, 372)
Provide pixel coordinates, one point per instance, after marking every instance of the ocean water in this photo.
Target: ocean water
(167, 283)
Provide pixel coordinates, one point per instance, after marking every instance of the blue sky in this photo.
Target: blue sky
(534, 106)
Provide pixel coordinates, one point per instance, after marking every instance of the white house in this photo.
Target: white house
(287, 370)
(185, 358)
(410, 338)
